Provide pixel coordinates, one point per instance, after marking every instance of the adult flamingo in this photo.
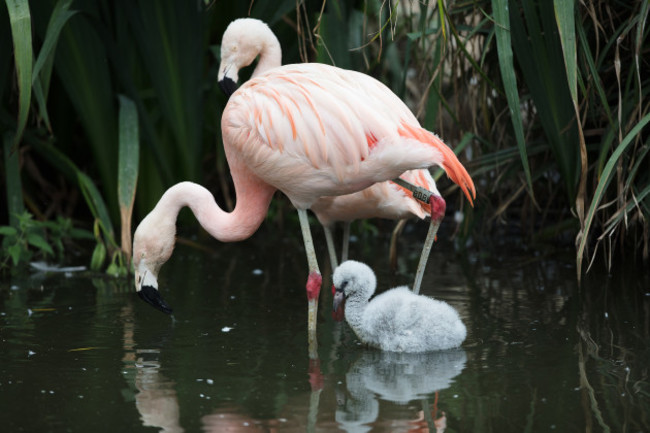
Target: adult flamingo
(382, 200)
(308, 130)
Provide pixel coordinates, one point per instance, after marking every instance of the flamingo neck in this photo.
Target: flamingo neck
(270, 55)
(355, 307)
(252, 203)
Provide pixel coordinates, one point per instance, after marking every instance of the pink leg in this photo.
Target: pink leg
(313, 283)
(438, 207)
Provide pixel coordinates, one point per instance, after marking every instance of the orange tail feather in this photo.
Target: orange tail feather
(452, 166)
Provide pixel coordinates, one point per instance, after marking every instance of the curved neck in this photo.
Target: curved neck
(355, 307)
(253, 198)
(270, 55)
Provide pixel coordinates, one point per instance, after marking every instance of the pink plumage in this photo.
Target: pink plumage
(311, 139)
(310, 131)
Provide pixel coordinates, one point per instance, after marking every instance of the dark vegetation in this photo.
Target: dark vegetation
(105, 104)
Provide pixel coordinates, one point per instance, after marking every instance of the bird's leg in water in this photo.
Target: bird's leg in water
(346, 241)
(331, 249)
(438, 207)
(313, 283)
(392, 255)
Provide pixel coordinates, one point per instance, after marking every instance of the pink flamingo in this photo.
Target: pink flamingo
(308, 130)
(382, 200)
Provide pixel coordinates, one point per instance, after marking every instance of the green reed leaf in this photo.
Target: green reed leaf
(15, 204)
(506, 65)
(128, 160)
(45, 61)
(21, 31)
(97, 206)
(603, 182)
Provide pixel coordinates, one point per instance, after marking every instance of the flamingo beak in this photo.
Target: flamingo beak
(147, 288)
(227, 79)
(228, 86)
(152, 296)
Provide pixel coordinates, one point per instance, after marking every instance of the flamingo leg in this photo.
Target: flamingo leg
(346, 241)
(313, 283)
(392, 255)
(437, 212)
(330, 247)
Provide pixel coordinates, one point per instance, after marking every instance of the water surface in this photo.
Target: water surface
(83, 353)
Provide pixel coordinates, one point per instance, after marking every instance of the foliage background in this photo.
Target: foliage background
(546, 103)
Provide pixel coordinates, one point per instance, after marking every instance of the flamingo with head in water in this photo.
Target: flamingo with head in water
(309, 130)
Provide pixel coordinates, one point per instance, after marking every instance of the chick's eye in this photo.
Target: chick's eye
(344, 284)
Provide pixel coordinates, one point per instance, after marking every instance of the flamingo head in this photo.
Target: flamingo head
(243, 40)
(146, 285)
(352, 279)
(152, 247)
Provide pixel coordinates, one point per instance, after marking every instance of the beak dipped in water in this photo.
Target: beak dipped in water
(147, 288)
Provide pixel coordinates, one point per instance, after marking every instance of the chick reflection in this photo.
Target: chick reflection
(394, 377)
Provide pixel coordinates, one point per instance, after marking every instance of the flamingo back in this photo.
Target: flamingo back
(315, 130)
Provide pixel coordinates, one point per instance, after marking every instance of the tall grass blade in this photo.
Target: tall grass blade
(506, 65)
(333, 36)
(565, 19)
(92, 196)
(21, 32)
(640, 34)
(97, 206)
(129, 139)
(441, 14)
(45, 61)
(593, 71)
(82, 67)
(537, 45)
(605, 178)
(15, 205)
(170, 40)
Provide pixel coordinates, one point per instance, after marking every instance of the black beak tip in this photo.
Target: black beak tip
(151, 295)
(228, 86)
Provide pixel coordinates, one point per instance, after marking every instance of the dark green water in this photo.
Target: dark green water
(83, 354)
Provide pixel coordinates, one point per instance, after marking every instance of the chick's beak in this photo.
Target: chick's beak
(338, 304)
